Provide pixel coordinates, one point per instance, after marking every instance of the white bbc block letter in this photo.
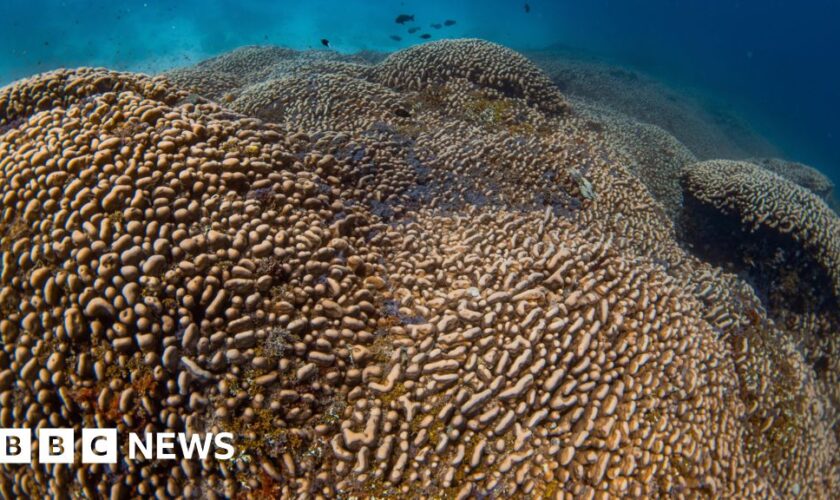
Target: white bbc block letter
(15, 446)
(55, 446)
(99, 446)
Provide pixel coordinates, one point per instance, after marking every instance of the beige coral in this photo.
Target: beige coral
(224, 77)
(655, 156)
(761, 200)
(483, 63)
(322, 102)
(807, 177)
(481, 298)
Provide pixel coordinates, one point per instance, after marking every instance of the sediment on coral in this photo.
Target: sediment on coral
(410, 276)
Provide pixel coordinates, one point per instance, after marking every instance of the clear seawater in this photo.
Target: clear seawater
(774, 62)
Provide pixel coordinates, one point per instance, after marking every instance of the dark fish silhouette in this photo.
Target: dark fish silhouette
(413, 30)
(425, 36)
(449, 22)
(527, 8)
(396, 38)
(404, 18)
(402, 113)
(325, 42)
(436, 26)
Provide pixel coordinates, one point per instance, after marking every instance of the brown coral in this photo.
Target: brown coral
(61, 88)
(322, 102)
(483, 63)
(152, 255)
(807, 177)
(760, 201)
(481, 298)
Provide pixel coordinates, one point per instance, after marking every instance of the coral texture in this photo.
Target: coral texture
(761, 200)
(483, 63)
(409, 277)
(807, 177)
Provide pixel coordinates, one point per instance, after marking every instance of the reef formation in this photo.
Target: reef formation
(705, 125)
(429, 274)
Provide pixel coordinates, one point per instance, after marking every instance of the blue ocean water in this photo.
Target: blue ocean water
(772, 61)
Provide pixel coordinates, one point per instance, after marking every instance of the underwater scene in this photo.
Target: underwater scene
(419, 249)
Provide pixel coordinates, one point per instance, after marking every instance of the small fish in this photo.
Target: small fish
(404, 18)
(449, 22)
(402, 113)
(396, 38)
(436, 26)
(425, 36)
(325, 42)
(527, 8)
(414, 30)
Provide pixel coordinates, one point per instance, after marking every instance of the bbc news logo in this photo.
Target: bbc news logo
(101, 446)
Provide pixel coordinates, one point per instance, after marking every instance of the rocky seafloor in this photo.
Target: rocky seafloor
(426, 274)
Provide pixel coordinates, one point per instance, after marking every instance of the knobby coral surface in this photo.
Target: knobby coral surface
(407, 278)
(761, 201)
(807, 177)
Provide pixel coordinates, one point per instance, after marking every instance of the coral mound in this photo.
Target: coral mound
(785, 240)
(483, 63)
(224, 77)
(246, 64)
(807, 177)
(761, 201)
(709, 130)
(387, 290)
(654, 156)
(321, 102)
(147, 252)
(61, 88)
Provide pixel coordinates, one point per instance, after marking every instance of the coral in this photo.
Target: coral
(760, 201)
(62, 88)
(387, 279)
(144, 290)
(709, 130)
(225, 77)
(807, 177)
(654, 155)
(322, 102)
(215, 85)
(536, 363)
(482, 63)
(785, 240)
